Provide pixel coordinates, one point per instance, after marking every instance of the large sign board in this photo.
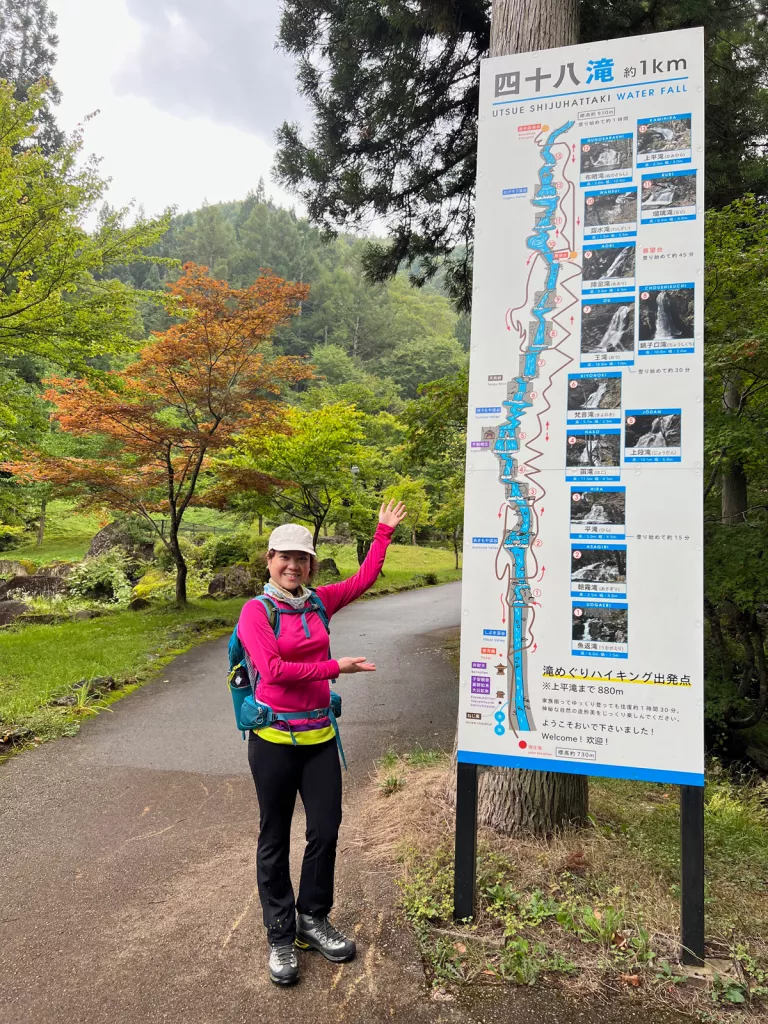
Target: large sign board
(582, 633)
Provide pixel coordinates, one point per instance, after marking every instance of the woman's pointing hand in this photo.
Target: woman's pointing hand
(349, 665)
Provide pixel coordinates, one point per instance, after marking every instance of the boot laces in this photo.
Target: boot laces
(284, 955)
(331, 933)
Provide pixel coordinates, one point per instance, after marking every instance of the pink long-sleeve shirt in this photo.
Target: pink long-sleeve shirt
(294, 669)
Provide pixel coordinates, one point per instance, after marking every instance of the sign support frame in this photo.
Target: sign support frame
(465, 863)
(692, 945)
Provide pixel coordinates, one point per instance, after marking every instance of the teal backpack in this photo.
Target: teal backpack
(243, 678)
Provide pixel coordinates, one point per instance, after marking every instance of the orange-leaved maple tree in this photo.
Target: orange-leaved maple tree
(158, 420)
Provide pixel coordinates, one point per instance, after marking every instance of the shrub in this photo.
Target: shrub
(164, 558)
(158, 585)
(103, 577)
(220, 552)
(10, 536)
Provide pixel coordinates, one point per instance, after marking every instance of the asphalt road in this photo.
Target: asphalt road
(127, 854)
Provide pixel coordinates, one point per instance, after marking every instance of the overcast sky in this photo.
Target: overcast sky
(189, 93)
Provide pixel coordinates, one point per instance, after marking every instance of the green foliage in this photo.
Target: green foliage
(393, 90)
(159, 585)
(9, 536)
(311, 465)
(103, 577)
(414, 494)
(220, 552)
(28, 44)
(58, 303)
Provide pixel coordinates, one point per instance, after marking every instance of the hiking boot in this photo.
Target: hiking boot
(283, 965)
(318, 933)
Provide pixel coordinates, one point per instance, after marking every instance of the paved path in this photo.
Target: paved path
(126, 854)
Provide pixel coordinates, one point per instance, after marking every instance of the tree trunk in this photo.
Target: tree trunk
(531, 803)
(363, 547)
(516, 801)
(181, 565)
(734, 501)
(456, 546)
(41, 527)
(318, 527)
(734, 480)
(261, 525)
(519, 26)
(413, 535)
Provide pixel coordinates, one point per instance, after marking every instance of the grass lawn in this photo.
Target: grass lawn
(595, 909)
(404, 563)
(42, 662)
(68, 535)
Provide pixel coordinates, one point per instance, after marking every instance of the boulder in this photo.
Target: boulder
(139, 604)
(236, 581)
(61, 570)
(117, 535)
(9, 568)
(33, 586)
(328, 567)
(11, 610)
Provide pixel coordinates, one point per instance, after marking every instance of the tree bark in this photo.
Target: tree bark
(734, 500)
(41, 526)
(519, 26)
(519, 802)
(363, 547)
(531, 803)
(181, 565)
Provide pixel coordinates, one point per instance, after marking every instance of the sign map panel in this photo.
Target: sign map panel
(582, 632)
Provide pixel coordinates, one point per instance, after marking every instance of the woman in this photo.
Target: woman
(301, 757)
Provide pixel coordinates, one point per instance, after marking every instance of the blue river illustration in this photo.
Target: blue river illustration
(517, 541)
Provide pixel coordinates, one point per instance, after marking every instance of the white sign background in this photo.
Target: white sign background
(582, 633)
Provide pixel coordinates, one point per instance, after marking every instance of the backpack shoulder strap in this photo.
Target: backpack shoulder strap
(317, 604)
(272, 610)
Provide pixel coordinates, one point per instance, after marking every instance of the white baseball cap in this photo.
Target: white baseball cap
(291, 537)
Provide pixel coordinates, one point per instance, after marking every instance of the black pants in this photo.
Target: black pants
(280, 771)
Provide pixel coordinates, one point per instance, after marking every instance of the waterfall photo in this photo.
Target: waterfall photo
(606, 155)
(666, 313)
(595, 507)
(648, 430)
(606, 209)
(598, 391)
(676, 190)
(608, 327)
(593, 448)
(599, 565)
(609, 262)
(599, 625)
(662, 135)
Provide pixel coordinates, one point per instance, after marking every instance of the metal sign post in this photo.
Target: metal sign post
(465, 866)
(692, 874)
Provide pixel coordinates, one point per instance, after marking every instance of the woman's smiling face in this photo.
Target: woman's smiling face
(289, 569)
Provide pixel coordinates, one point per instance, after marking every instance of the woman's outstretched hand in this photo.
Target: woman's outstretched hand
(349, 665)
(392, 514)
